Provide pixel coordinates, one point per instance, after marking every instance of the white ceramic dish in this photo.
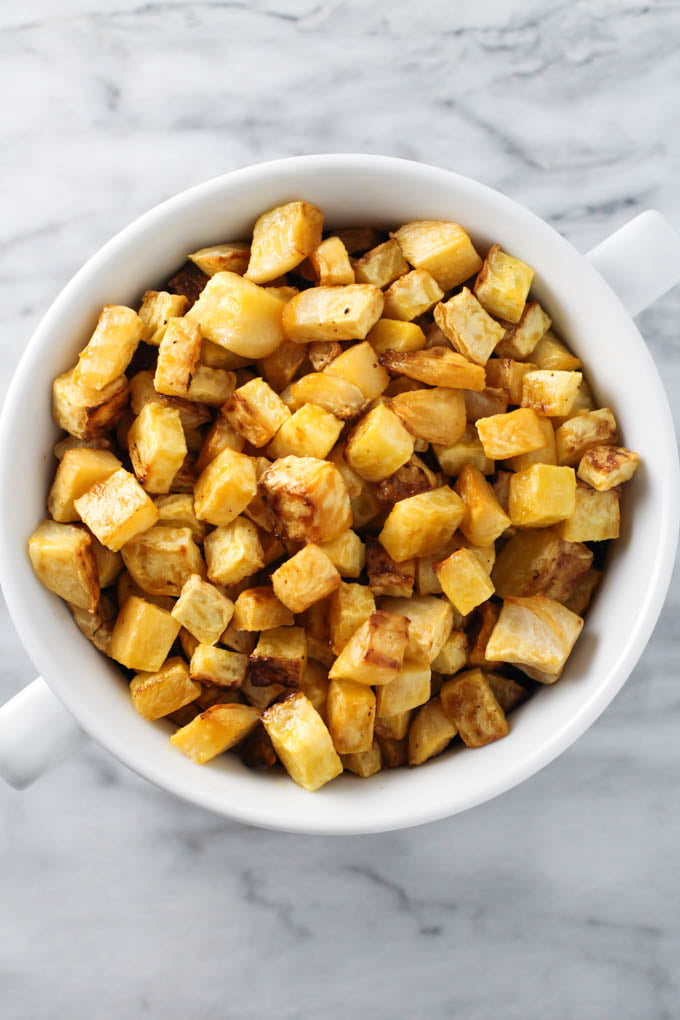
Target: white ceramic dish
(640, 262)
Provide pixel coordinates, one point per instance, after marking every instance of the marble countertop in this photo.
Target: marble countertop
(560, 899)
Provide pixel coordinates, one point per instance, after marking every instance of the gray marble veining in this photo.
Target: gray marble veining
(560, 899)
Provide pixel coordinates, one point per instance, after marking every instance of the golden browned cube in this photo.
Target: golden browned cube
(351, 716)
(333, 313)
(162, 559)
(541, 495)
(339, 397)
(211, 386)
(283, 238)
(507, 435)
(430, 624)
(453, 655)
(509, 694)
(233, 551)
(506, 374)
(143, 635)
(546, 454)
(116, 509)
(79, 469)
(443, 249)
(468, 326)
(310, 432)
(219, 666)
(503, 283)
(603, 467)
(385, 576)
(71, 443)
(382, 265)
(378, 445)
(109, 564)
(232, 257)
(305, 578)
(485, 403)
(365, 763)
(84, 412)
(279, 367)
(256, 412)
(394, 753)
(237, 314)
(471, 705)
(110, 348)
(214, 356)
(322, 352)
(225, 487)
(350, 606)
(308, 498)
(156, 310)
(126, 586)
(535, 632)
(347, 553)
(374, 654)
(551, 353)
(157, 447)
(259, 609)
(178, 356)
(436, 366)
(63, 559)
(142, 392)
(521, 338)
(97, 626)
(394, 727)
(215, 731)
(314, 683)
(431, 732)
(483, 625)
(538, 561)
(484, 520)
(464, 580)
(359, 365)
(409, 689)
(331, 264)
(583, 591)
(550, 393)
(579, 434)
(155, 695)
(203, 610)
(420, 524)
(358, 239)
(396, 335)
(302, 741)
(177, 509)
(466, 450)
(595, 518)
(435, 415)
(258, 751)
(411, 478)
(412, 295)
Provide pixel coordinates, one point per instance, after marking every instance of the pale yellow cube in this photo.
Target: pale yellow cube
(603, 467)
(231, 256)
(535, 632)
(538, 561)
(507, 374)
(350, 606)
(550, 393)
(314, 684)
(233, 551)
(541, 495)
(466, 450)
(156, 310)
(279, 367)
(409, 689)
(595, 518)
(464, 581)
(305, 578)
(157, 447)
(283, 238)
(215, 731)
(351, 715)
(453, 655)
(484, 520)
(218, 666)
(177, 509)
(211, 386)
(221, 436)
(310, 432)
(259, 609)
(364, 763)
(337, 396)
(116, 509)
(347, 553)
(308, 498)
(143, 635)
(359, 365)
(431, 732)
(412, 295)
(430, 624)
(333, 313)
(170, 688)
(442, 248)
(396, 335)
(503, 283)
(322, 352)
(420, 524)
(225, 487)
(510, 434)
(435, 415)
(178, 356)
(256, 412)
(470, 703)
(521, 338)
(63, 559)
(436, 366)
(382, 265)
(240, 316)
(203, 610)
(84, 412)
(162, 559)
(302, 741)
(579, 434)
(374, 654)
(331, 265)
(468, 326)
(551, 353)
(79, 469)
(110, 348)
(142, 392)
(378, 445)
(546, 454)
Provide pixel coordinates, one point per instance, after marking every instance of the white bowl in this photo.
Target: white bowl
(352, 190)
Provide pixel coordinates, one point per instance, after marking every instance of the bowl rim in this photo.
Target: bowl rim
(400, 815)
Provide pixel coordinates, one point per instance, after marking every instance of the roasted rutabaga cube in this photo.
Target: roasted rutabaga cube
(538, 561)
(374, 654)
(110, 348)
(178, 356)
(466, 450)
(443, 249)
(333, 313)
(63, 559)
(302, 741)
(412, 295)
(314, 683)
(385, 576)
(546, 454)
(85, 412)
(453, 654)
(256, 412)
(550, 393)
(157, 446)
(350, 606)
(78, 471)
(484, 520)
(550, 352)
(142, 392)
(156, 310)
(215, 730)
(203, 610)
(283, 238)
(507, 375)
(218, 666)
(232, 257)
(225, 487)
(378, 445)
(541, 495)
(170, 688)
(603, 467)
(351, 716)
(321, 353)
(143, 635)
(162, 559)
(583, 591)
(421, 524)
(364, 763)
(211, 386)
(306, 578)
(437, 366)
(579, 434)
(469, 702)
(409, 689)
(116, 509)
(510, 434)
(396, 335)
(595, 517)
(347, 553)
(521, 338)
(464, 580)
(382, 265)
(411, 478)
(430, 624)
(430, 733)
(233, 551)
(359, 365)
(468, 326)
(178, 509)
(240, 316)
(503, 283)
(308, 498)
(435, 415)
(339, 397)
(331, 264)
(258, 609)
(279, 367)
(537, 633)
(310, 432)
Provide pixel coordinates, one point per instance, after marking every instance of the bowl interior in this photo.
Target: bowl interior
(351, 191)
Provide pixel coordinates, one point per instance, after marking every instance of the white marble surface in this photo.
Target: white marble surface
(562, 899)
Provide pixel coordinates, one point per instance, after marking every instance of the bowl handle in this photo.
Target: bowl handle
(641, 261)
(36, 733)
